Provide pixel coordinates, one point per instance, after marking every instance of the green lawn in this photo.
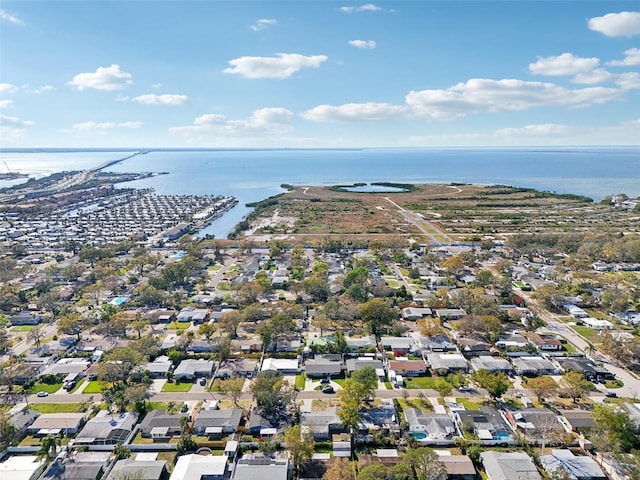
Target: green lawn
(469, 404)
(301, 379)
(94, 387)
(78, 386)
(177, 387)
(614, 383)
(157, 405)
(45, 387)
(22, 328)
(178, 325)
(419, 382)
(57, 407)
(588, 333)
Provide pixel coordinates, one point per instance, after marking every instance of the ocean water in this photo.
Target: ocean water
(251, 175)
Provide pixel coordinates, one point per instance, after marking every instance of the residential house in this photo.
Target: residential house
(445, 363)
(438, 343)
(200, 467)
(487, 424)
(237, 367)
(56, 423)
(379, 417)
(575, 311)
(322, 424)
(68, 469)
(597, 324)
(321, 367)
(139, 469)
(159, 368)
(400, 345)
(22, 419)
(577, 420)
(107, 429)
(415, 313)
(430, 427)
(361, 344)
(491, 364)
(287, 366)
(450, 313)
(20, 467)
(25, 318)
(533, 366)
(474, 347)
(459, 467)
(537, 424)
(217, 422)
(588, 369)
(189, 369)
(570, 466)
(354, 364)
(544, 342)
(193, 314)
(512, 340)
(409, 368)
(509, 466)
(160, 315)
(160, 425)
(259, 467)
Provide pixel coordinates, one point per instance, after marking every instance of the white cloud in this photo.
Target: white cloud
(156, 86)
(544, 129)
(632, 58)
(263, 121)
(43, 89)
(565, 64)
(165, 99)
(368, 7)
(370, 44)
(477, 95)
(355, 112)
(102, 126)
(623, 24)
(281, 66)
(14, 122)
(263, 23)
(104, 78)
(5, 103)
(487, 95)
(8, 88)
(628, 81)
(598, 75)
(7, 17)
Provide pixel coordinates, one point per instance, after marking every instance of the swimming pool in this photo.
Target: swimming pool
(178, 255)
(419, 435)
(118, 301)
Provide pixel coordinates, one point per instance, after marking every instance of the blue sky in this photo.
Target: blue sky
(319, 73)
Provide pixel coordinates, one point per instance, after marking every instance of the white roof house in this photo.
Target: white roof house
(19, 467)
(195, 467)
(491, 364)
(509, 466)
(597, 324)
(281, 364)
(192, 368)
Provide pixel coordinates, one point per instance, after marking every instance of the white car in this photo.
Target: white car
(42, 394)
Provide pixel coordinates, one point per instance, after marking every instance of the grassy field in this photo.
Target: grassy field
(178, 325)
(94, 387)
(301, 379)
(469, 404)
(177, 387)
(588, 333)
(420, 383)
(45, 387)
(57, 407)
(423, 405)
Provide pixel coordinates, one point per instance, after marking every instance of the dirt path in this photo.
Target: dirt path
(422, 224)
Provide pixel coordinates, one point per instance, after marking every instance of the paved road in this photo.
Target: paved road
(631, 388)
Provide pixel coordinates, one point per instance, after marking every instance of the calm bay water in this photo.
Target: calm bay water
(252, 175)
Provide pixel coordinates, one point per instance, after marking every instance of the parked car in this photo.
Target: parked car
(611, 394)
(203, 381)
(328, 389)
(185, 408)
(325, 380)
(464, 388)
(43, 394)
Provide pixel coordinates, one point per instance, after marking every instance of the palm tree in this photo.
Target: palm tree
(48, 446)
(590, 349)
